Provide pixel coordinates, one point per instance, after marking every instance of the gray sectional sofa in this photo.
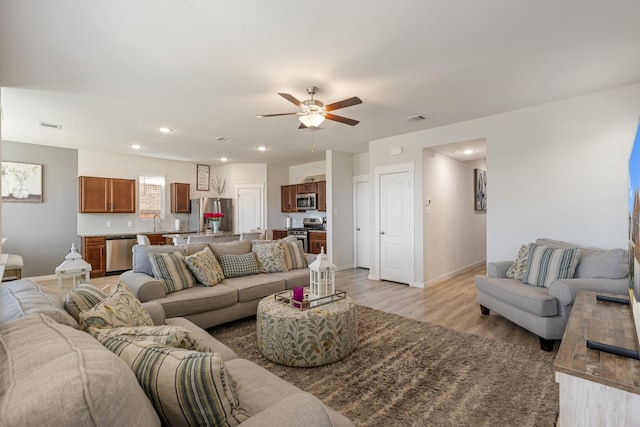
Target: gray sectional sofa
(232, 299)
(545, 310)
(56, 374)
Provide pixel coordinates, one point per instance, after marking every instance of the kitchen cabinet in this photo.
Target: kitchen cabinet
(94, 252)
(158, 239)
(307, 187)
(322, 196)
(317, 240)
(180, 196)
(107, 195)
(288, 198)
(280, 234)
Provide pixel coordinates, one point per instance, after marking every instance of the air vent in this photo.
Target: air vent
(417, 118)
(223, 139)
(49, 125)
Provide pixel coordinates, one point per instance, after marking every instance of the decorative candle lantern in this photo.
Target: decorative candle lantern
(73, 266)
(322, 277)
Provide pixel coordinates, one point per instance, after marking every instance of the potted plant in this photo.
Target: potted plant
(214, 218)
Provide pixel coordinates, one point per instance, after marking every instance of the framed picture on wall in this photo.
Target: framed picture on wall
(202, 177)
(480, 190)
(21, 182)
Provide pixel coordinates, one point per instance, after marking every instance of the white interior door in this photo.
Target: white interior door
(249, 208)
(395, 227)
(363, 220)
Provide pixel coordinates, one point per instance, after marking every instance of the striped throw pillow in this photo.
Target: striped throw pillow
(239, 265)
(294, 255)
(187, 388)
(544, 265)
(172, 271)
(82, 298)
(167, 335)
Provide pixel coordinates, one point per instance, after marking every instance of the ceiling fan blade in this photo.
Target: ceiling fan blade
(343, 104)
(291, 99)
(274, 115)
(341, 119)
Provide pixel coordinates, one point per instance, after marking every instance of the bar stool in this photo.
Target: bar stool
(13, 268)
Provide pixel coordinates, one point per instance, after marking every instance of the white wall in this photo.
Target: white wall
(555, 170)
(454, 233)
(299, 172)
(340, 209)
(361, 164)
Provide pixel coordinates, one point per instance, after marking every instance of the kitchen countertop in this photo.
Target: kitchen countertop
(174, 235)
(314, 231)
(132, 233)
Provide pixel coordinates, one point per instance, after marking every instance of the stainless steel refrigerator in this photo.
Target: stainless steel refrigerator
(203, 205)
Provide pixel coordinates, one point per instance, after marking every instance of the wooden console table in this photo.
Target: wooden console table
(598, 388)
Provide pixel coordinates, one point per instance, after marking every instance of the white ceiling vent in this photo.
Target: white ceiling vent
(49, 125)
(223, 139)
(417, 118)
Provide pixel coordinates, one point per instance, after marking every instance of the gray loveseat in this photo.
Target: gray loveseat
(545, 310)
(55, 374)
(232, 299)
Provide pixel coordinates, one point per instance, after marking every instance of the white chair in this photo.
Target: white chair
(143, 239)
(250, 235)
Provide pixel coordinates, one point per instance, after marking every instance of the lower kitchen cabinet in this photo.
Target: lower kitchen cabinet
(158, 239)
(280, 234)
(317, 241)
(94, 252)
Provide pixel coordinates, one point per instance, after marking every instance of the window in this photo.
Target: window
(151, 196)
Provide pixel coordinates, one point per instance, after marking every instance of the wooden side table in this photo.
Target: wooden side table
(598, 388)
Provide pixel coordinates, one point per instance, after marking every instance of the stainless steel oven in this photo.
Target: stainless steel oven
(305, 202)
(301, 234)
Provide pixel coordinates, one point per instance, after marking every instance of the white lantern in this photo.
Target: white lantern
(73, 266)
(322, 277)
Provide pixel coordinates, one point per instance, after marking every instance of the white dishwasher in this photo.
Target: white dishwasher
(120, 253)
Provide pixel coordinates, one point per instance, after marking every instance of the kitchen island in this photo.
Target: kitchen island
(182, 238)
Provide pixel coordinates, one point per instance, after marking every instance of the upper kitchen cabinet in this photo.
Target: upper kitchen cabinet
(307, 187)
(322, 195)
(288, 198)
(180, 196)
(107, 195)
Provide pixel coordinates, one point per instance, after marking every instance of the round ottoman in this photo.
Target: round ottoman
(313, 337)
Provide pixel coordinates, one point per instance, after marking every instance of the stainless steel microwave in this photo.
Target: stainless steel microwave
(306, 202)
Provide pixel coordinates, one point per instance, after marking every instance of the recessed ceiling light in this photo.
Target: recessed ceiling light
(262, 148)
(223, 159)
(165, 130)
(136, 146)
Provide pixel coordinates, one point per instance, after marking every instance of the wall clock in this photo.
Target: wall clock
(202, 177)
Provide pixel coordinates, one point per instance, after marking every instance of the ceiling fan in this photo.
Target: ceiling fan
(313, 112)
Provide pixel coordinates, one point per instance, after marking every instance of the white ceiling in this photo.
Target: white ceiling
(112, 72)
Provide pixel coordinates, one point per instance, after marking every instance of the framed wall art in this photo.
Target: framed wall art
(202, 177)
(21, 182)
(480, 190)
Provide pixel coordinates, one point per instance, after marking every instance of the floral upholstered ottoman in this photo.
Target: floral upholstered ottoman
(313, 337)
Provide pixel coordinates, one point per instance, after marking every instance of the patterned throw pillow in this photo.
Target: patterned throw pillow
(172, 271)
(271, 257)
(187, 388)
(82, 298)
(167, 335)
(545, 265)
(205, 267)
(120, 308)
(294, 254)
(239, 265)
(516, 271)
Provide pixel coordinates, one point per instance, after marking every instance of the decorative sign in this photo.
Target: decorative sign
(480, 191)
(202, 177)
(21, 182)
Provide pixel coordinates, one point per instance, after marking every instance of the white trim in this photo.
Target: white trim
(383, 170)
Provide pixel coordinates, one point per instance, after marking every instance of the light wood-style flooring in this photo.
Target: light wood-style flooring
(450, 303)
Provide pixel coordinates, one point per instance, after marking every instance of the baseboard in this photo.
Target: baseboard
(450, 274)
(48, 277)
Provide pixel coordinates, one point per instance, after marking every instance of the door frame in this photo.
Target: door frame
(236, 209)
(357, 179)
(376, 255)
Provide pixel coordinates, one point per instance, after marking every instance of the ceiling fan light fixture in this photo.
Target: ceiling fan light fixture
(312, 120)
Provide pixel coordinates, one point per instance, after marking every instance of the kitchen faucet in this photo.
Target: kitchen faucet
(154, 222)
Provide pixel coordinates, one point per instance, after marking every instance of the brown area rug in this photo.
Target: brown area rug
(410, 373)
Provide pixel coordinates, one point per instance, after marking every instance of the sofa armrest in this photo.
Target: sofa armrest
(565, 290)
(498, 269)
(143, 286)
(156, 312)
(289, 412)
